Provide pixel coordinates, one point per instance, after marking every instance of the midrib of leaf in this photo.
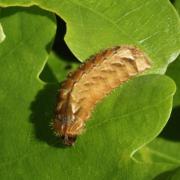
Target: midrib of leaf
(165, 156)
(132, 11)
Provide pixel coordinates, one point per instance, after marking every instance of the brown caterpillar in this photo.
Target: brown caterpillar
(90, 83)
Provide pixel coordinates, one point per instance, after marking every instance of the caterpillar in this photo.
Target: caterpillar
(90, 83)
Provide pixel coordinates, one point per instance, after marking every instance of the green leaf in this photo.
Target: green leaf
(173, 72)
(173, 69)
(91, 26)
(177, 5)
(162, 151)
(154, 152)
(29, 33)
(165, 148)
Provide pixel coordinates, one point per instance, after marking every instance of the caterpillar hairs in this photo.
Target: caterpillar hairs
(90, 83)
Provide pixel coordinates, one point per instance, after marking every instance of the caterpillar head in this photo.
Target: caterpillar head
(69, 140)
(64, 131)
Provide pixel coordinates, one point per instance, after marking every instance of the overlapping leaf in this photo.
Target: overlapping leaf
(166, 147)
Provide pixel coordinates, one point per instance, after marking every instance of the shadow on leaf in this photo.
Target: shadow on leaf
(42, 114)
(60, 47)
(171, 130)
(167, 175)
